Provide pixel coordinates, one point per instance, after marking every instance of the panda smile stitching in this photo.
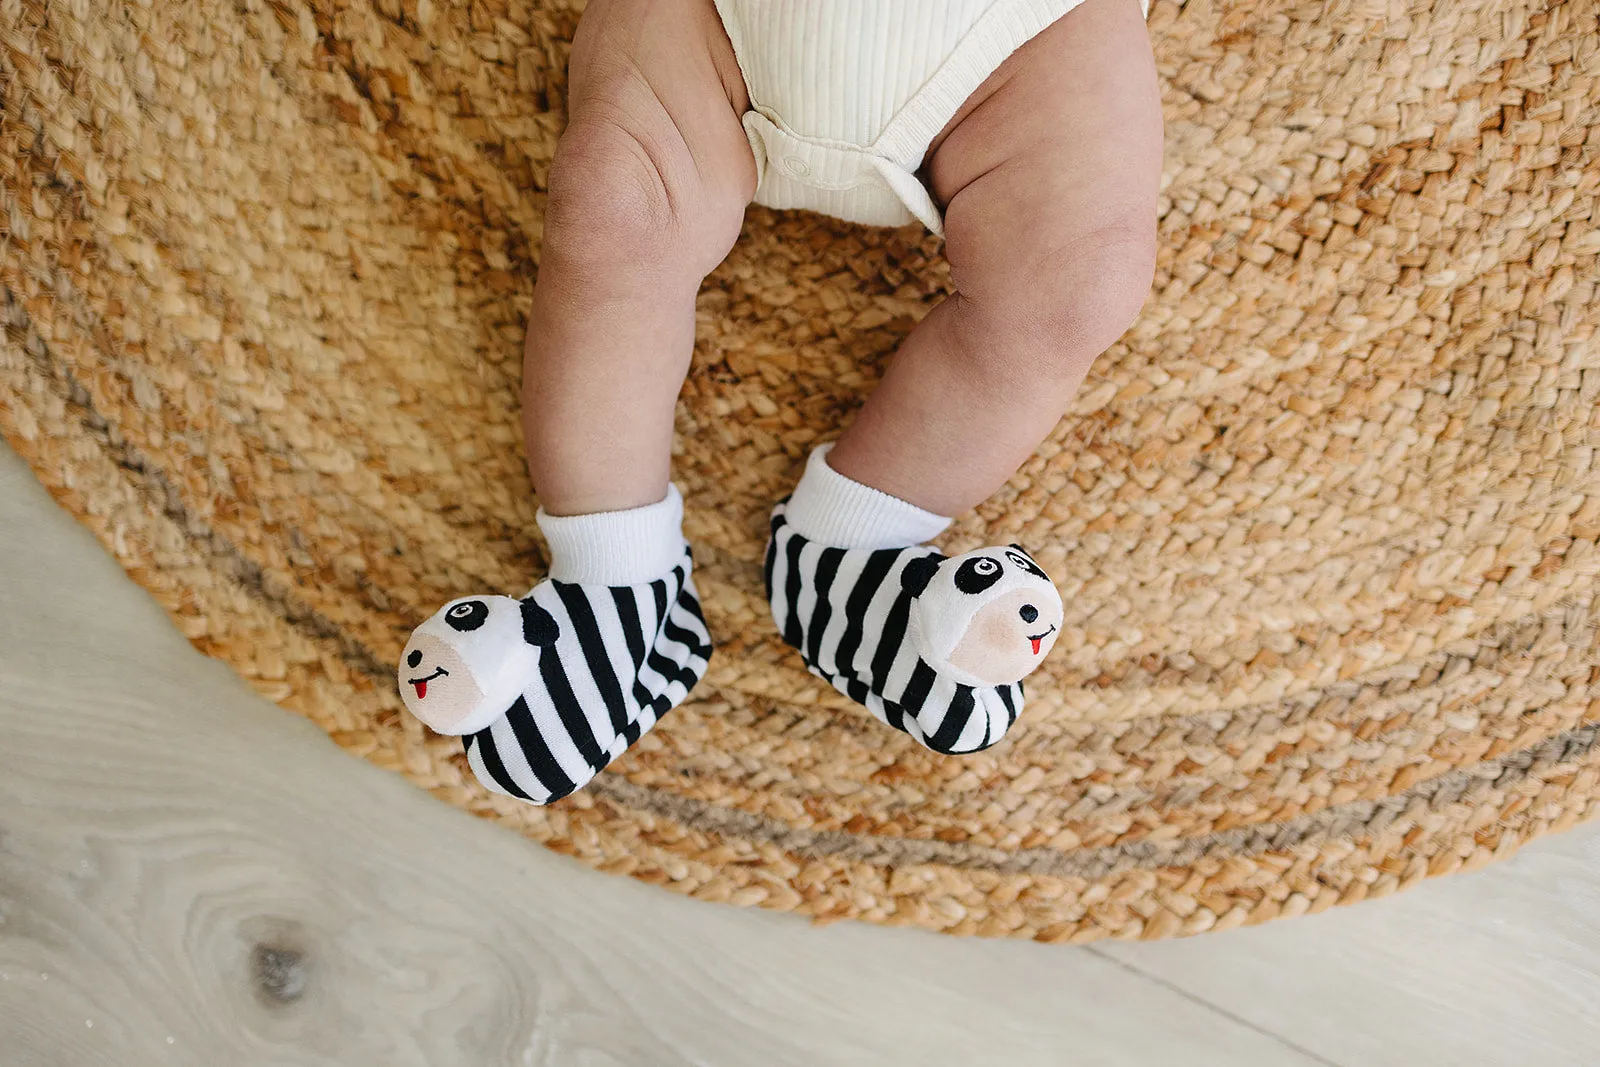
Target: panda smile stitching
(422, 683)
(1041, 637)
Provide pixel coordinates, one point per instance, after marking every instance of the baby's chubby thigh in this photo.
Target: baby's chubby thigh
(653, 172)
(1049, 178)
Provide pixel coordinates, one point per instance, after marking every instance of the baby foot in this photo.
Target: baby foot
(549, 689)
(935, 646)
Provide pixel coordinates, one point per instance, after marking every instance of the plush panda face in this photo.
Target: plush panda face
(992, 614)
(469, 662)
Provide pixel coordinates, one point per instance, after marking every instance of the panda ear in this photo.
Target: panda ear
(539, 627)
(918, 573)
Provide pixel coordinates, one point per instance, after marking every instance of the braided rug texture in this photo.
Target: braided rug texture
(1325, 520)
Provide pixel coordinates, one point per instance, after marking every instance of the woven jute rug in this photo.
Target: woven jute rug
(1324, 520)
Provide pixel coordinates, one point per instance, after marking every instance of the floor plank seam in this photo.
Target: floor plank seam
(1209, 1006)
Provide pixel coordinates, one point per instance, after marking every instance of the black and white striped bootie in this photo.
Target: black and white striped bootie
(935, 646)
(549, 689)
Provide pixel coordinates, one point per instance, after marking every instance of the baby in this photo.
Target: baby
(1028, 134)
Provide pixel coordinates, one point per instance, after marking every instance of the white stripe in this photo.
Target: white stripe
(997, 715)
(652, 679)
(685, 618)
(872, 624)
(806, 605)
(780, 575)
(480, 771)
(680, 654)
(905, 661)
(610, 622)
(697, 627)
(548, 722)
(585, 689)
(569, 652)
(677, 653)
(972, 736)
(516, 764)
(844, 581)
(873, 703)
(937, 706)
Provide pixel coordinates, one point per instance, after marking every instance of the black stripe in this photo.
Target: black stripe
(671, 631)
(955, 721)
(633, 636)
(632, 628)
(917, 689)
(871, 577)
(793, 633)
(541, 761)
(691, 604)
(658, 589)
(671, 671)
(890, 640)
(1011, 705)
(688, 638)
(554, 676)
(772, 555)
(912, 697)
(895, 715)
(827, 571)
(699, 641)
(491, 763)
(593, 645)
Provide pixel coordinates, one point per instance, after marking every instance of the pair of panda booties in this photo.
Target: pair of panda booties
(548, 690)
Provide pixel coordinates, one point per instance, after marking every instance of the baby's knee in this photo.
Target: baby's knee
(1103, 286)
(1054, 307)
(623, 195)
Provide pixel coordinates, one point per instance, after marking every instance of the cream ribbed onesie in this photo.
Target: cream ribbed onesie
(847, 95)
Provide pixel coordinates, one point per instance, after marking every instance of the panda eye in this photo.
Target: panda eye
(977, 574)
(467, 615)
(1025, 563)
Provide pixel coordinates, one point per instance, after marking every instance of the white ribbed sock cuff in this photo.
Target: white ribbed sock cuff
(833, 510)
(616, 547)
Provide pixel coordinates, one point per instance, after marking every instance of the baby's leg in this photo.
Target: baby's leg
(647, 193)
(1049, 177)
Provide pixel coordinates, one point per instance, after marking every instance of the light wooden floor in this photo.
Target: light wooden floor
(189, 875)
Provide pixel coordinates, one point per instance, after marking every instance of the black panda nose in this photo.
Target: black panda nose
(1027, 611)
(416, 656)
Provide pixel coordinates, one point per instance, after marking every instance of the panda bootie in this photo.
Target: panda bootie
(547, 690)
(935, 646)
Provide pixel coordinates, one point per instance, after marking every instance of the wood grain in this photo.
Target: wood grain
(1496, 968)
(191, 876)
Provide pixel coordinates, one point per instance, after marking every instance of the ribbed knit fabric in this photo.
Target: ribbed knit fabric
(846, 95)
(616, 547)
(831, 509)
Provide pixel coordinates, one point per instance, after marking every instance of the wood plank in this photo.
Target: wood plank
(1501, 966)
(191, 876)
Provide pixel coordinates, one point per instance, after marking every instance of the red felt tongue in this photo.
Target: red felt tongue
(422, 687)
(1035, 641)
